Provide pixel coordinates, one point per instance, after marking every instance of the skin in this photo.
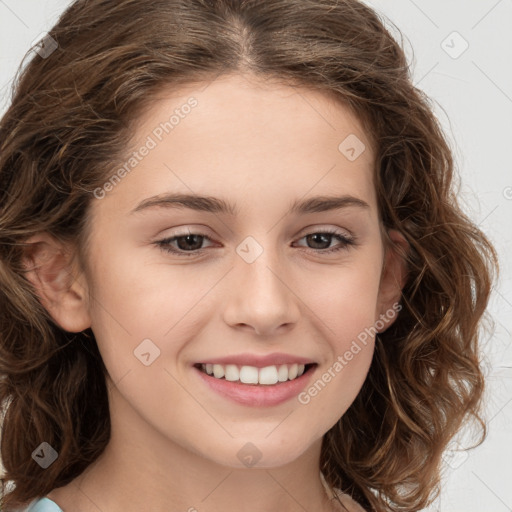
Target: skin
(174, 442)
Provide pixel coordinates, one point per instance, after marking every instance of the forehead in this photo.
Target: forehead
(261, 107)
(246, 136)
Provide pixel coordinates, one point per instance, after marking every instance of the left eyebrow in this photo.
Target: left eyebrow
(327, 203)
(217, 205)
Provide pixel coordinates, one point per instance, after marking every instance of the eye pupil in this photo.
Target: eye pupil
(315, 238)
(189, 238)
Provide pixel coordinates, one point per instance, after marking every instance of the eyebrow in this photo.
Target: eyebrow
(217, 205)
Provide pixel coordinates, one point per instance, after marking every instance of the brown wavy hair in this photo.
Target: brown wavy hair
(68, 124)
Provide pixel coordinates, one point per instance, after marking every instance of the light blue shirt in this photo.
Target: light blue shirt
(44, 505)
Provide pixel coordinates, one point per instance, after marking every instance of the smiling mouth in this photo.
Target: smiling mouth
(266, 376)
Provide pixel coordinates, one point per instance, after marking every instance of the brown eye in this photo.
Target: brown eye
(321, 241)
(190, 243)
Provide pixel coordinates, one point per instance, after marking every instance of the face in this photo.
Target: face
(242, 275)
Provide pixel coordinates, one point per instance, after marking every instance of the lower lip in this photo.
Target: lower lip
(257, 395)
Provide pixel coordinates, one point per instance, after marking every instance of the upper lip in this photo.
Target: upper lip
(259, 361)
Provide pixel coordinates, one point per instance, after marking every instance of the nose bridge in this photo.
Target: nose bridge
(260, 296)
(260, 268)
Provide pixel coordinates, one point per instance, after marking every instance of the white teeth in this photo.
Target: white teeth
(232, 372)
(218, 371)
(269, 375)
(249, 375)
(283, 373)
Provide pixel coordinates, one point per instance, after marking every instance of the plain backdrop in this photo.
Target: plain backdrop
(461, 56)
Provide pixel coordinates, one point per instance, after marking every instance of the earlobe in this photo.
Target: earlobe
(393, 277)
(61, 291)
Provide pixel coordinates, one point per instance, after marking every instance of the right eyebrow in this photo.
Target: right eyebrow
(327, 203)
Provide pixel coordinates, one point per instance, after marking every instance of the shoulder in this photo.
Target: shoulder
(41, 505)
(348, 503)
(337, 496)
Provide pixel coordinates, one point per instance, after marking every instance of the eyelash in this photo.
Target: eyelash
(346, 242)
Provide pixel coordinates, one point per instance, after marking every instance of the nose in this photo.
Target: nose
(261, 297)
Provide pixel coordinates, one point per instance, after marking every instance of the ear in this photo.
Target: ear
(61, 290)
(393, 278)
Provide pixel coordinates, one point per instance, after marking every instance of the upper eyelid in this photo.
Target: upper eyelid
(314, 229)
(304, 232)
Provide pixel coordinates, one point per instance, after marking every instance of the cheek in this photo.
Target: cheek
(142, 298)
(345, 304)
(345, 298)
(133, 302)
(347, 314)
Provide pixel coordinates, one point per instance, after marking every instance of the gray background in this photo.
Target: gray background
(472, 91)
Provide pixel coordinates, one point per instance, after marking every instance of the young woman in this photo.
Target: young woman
(234, 275)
